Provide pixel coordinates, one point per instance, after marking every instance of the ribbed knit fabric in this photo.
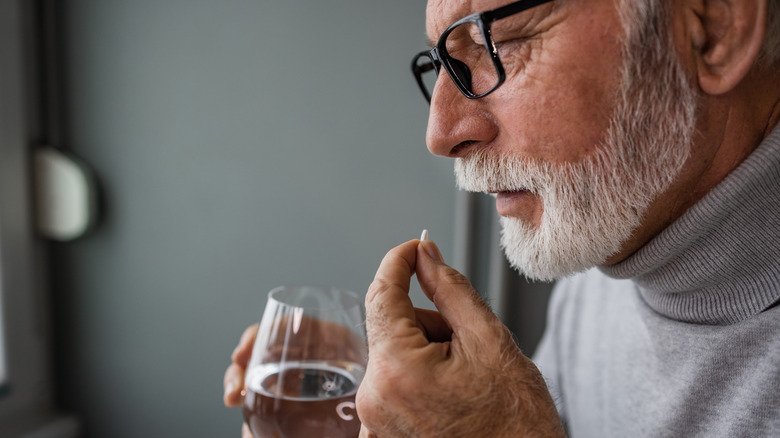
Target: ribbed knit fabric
(719, 263)
(682, 338)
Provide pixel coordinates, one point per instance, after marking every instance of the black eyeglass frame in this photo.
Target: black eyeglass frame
(439, 56)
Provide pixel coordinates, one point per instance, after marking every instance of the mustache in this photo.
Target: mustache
(488, 172)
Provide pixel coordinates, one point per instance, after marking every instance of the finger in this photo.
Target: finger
(234, 384)
(452, 293)
(433, 325)
(245, 432)
(390, 314)
(243, 350)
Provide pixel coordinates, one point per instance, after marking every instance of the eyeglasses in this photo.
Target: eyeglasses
(467, 51)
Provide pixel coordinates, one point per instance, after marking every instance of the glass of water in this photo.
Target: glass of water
(308, 360)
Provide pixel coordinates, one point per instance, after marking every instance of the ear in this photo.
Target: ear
(727, 36)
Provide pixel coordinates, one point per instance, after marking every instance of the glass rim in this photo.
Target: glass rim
(273, 295)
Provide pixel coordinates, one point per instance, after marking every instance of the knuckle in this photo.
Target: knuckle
(395, 251)
(377, 288)
(376, 325)
(386, 391)
(390, 256)
(376, 397)
(367, 407)
(375, 331)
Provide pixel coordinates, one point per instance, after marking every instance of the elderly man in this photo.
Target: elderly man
(635, 136)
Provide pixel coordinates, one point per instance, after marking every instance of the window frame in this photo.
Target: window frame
(27, 399)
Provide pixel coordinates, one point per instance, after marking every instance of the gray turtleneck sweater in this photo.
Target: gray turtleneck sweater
(683, 337)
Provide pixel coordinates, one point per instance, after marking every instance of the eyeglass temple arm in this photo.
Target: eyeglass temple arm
(423, 68)
(512, 8)
(433, 59)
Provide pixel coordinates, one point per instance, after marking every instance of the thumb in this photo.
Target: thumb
(451, 292)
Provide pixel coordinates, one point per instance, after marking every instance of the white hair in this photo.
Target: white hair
(592, 207)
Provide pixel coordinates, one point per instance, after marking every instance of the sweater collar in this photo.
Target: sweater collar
(719, 263)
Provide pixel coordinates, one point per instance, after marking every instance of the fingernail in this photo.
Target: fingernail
(229, 388)
(429, 247)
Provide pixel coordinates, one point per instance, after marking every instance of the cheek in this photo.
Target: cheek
(558, 108)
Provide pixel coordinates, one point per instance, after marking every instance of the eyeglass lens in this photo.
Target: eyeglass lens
(426, 73)
(468, 59)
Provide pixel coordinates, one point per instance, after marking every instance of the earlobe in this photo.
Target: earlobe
(729, 40)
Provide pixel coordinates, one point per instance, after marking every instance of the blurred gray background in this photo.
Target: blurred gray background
(240, 145)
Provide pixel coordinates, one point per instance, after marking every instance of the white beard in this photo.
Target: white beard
(592, 207)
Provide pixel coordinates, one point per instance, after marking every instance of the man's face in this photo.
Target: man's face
(577, 142)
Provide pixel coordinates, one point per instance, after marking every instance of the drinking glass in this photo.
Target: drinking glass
(308, 360)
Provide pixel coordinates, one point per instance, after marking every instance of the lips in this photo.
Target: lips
(514, 203)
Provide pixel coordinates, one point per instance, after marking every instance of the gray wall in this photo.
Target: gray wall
(241, 145)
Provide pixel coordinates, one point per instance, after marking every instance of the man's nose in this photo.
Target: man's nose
(456, 124)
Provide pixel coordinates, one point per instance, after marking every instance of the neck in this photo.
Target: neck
(719, 262)
(773, 119)
(729, 128)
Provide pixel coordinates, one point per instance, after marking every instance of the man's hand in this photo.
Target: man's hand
(234, 375)
(453, 373)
